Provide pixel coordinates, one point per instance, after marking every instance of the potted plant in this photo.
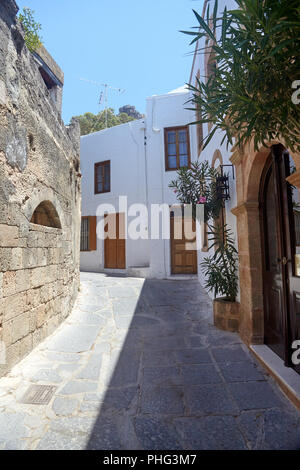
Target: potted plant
(220, 270)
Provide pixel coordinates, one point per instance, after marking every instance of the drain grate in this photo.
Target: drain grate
(38, 395)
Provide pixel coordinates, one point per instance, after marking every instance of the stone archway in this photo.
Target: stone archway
(249, 165)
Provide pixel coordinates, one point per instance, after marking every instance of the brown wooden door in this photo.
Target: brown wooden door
(114, 246)
(292, 228)
(280, 283)
(183, 250)
(273, 275)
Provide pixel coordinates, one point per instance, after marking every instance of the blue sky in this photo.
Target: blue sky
(131, 44)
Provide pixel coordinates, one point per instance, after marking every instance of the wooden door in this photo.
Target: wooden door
(114, 246)
(273, 273)
(292, 261)
(183, 250)
(281, 249)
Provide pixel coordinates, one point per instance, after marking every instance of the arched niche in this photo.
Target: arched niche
(46, 215)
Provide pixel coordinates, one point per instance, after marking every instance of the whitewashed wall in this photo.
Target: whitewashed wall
(215, 144)
(138, 171)
(164, 111)
(124, 146)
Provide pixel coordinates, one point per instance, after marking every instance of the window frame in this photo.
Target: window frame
(91, 233)
(88, 233)
(177, 129)
(102, 164)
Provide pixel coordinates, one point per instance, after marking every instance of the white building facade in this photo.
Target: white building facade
(134, 155)
(134, 159)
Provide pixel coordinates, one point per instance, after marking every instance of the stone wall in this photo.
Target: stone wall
(39, 168)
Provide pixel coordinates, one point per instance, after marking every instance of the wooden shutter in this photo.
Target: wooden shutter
(93, 233)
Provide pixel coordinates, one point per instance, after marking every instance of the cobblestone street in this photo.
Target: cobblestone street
(139, 365)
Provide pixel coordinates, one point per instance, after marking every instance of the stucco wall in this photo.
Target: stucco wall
(199, 68)
(164, 111)
(39, 161)
(124, 146)
(137, 155)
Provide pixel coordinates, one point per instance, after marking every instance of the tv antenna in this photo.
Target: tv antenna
(104, 94)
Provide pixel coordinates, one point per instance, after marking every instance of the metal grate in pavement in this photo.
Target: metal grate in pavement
(38, 395)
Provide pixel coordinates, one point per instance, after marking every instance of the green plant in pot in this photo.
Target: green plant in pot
(220, 269)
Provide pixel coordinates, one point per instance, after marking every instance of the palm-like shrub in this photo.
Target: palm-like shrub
(197, 185)
(220, 269)
(256, 52)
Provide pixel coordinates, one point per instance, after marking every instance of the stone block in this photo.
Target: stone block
(21, 327)
(25, 345)
(15, 305)
(40, 315)
(39, 277)
(9, 283)
(33, 298)
(5, 259)
(9, 236)
(16, 261)
(29, 258)
(22, 280)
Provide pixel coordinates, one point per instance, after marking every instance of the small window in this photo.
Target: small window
(88, 234)
(102, 177)
(85, 234)
(177, 148)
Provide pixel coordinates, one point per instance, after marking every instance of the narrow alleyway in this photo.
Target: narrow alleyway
(138, 365)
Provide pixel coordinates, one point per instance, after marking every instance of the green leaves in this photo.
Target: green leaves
(198, 181)
(32, 29)
(257, 56)
(204, 26)
(220, 269)
(90, 122)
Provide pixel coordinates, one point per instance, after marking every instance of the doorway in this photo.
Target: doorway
(114, 245)
(280, 227)
(183, 246)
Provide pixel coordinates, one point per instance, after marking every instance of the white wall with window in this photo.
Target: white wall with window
(137, 160)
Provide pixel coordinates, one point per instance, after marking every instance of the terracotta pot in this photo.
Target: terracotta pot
(227, 315)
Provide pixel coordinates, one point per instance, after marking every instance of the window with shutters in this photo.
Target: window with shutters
(88, 234)
(102, 177)
(85, 234)
(177, 148)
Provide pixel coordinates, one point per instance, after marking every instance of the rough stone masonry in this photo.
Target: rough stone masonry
(40, 194)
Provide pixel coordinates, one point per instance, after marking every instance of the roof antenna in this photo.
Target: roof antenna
(104, 95)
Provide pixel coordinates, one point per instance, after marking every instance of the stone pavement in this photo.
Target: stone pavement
(139, 365)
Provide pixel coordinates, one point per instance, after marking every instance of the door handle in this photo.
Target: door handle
(285, 261)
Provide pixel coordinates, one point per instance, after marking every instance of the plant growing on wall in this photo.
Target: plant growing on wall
(254, 65)
(32, 29)
(197, 185)
(220, 269)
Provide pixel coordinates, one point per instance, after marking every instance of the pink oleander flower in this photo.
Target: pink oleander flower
(202, 200)
(175, 191)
